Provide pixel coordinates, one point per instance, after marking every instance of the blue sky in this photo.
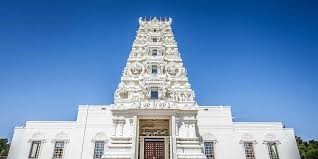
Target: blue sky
(260, 57)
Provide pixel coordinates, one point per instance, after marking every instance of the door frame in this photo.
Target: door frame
(155, 141)
(165, 139)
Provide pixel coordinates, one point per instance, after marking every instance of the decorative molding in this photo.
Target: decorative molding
(100, 136)
(207, 136)
(247, 137)
(270, 138)
(37, 136)
(61, 136)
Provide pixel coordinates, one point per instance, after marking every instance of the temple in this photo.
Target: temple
(154, 116)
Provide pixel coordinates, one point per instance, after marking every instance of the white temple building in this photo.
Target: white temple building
(154, 116)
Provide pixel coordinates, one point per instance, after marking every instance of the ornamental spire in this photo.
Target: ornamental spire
(154, 76)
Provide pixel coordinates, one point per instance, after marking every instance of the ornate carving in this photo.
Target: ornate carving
(173, 69)
(150, 127)
(154, 132)
(136, 96)
(136, 69)
(169, 77)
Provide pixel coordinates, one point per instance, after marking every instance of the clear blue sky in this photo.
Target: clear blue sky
(260, 57)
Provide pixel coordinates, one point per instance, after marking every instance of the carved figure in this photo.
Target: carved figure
(136, 69)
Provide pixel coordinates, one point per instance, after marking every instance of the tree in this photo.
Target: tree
(4, 147)
(307, 149)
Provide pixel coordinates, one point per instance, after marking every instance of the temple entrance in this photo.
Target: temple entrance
(154, 138)
(154, 127)
(154, 149)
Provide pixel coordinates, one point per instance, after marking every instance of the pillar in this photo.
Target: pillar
(114, 128)
(192, 128)
(187, 128)
(177, 127)
(134, 137)
(121, 127)
(141, 149)
(173, 142)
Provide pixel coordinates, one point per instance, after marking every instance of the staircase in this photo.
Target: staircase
(118, 148)
(189, 147)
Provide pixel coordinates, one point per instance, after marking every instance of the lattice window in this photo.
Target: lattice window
(249, 150)
(58, 150)
(154, 69)
(124, 95)
(154, 94)
(154, 52)
(272, 150)
(154, 39)
(209, 150)
(35, 149)
(99, 149)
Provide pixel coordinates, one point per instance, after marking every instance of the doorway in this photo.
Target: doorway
(154, 138)
(154, 148)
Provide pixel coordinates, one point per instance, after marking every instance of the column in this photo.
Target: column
(121, 124)
(114, 127)
(167, 141)
(141, 149)
(173, 136)
(134, 137)
(187, 128)
(177, 127)
(192, 128)
(131, 127)
(171, 147)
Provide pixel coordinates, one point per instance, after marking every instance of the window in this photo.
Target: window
(249, 150)
(124, 95)
(58, 150)
(99, 149)
(154, 52)
(272, 150)
(209, 150)
(35, 149)
(154, 93)
(154, 69)
(154, 39)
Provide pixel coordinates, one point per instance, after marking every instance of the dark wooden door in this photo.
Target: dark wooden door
(154, 150)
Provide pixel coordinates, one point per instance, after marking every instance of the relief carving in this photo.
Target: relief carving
(136, 69)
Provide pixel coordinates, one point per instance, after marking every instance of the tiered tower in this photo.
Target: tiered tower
(154, 76)
(154, 98)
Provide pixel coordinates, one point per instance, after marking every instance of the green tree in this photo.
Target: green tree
(4, 147)
(307, 149)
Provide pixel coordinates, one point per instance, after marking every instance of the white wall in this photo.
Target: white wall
(98, 119)
(229, 135)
